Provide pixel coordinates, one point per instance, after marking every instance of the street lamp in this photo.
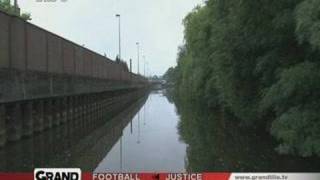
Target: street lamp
(138, 52)
(118, 16)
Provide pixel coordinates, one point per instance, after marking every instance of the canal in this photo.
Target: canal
(150, 142)
(154, 133)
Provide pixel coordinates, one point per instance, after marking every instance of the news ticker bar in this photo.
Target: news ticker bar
(163, 176)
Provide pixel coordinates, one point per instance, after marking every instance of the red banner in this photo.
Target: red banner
(161, 176)
(129, 176)
(57, 175)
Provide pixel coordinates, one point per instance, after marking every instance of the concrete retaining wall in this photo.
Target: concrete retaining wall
(25, 118)
(55, 63)
(18, 42)
(35, 63)
(4, 40)
(36, 48)
(89, 137)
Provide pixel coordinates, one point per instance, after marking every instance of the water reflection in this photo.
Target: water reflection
(82, 144)
(151, 143)
(156, 133)
(216, 143)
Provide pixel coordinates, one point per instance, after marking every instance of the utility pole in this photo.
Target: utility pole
(131, 65)
(130, 69)
(119, 18)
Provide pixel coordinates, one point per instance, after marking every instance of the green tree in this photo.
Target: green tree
(258, 60)
(169, 75)
(6, 6)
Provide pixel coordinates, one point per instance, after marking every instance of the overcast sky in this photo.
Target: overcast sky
(156, 24)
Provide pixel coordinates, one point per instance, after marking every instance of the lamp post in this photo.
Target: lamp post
(138, 140)
(130, 65)
(119, 20)
(138, 52)
(118, 16)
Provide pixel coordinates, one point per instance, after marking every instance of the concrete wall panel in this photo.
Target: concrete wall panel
(95, 65)
(68, 57)
(125, 75)
(105, 70)
(101, 67)
(79, 56)
(4, 40)
(55, 63)
(91, 64)
(100, 61)
(98, 66)
(113, 71)
(36, 49)
(110, 70)
(18, 51)
(86, 57)
(88, 63)
(118, 73)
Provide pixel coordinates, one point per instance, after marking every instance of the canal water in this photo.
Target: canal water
(155, 133)
(151, 141)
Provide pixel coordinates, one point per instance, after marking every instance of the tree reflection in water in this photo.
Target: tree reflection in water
(217, 143)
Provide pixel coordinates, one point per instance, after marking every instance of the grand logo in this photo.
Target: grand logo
(57, 174)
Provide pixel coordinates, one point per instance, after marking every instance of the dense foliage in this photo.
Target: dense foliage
(6, 6)
(169, 76)
(260, 61)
